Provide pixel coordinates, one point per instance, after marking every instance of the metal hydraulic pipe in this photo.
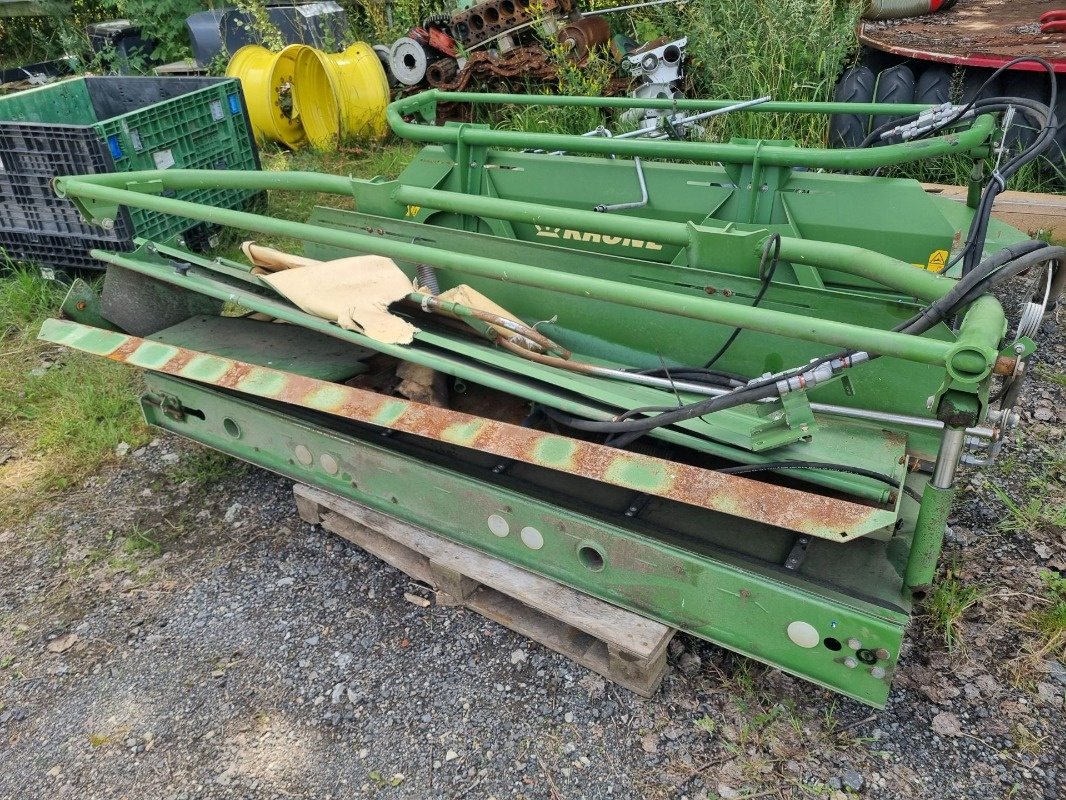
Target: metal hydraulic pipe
(972, 138)
(658, 132)
(830, 332)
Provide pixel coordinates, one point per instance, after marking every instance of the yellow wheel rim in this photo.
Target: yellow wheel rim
(316, 99)
(362, 90)
(267, 80)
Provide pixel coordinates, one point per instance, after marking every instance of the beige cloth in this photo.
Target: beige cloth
(355, 292)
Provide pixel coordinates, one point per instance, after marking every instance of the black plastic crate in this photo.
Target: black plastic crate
(29, 205)
(57, 252)
(116, 124)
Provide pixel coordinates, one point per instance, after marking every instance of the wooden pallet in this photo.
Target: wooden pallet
(625, 647)
(1027, 211)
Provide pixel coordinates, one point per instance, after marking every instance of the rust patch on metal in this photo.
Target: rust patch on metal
(1005, 365)
(782, 507)
(125, 350)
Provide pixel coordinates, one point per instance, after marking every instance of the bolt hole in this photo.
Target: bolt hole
(409, 61)
(394, 500)
(591, 557)
(832, 644)
(232, 428)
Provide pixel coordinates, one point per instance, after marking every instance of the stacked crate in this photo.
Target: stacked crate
(114, 124)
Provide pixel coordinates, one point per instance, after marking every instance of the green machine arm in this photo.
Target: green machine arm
(423, 105)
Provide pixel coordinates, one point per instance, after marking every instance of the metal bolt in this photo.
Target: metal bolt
(850, 662)
(882, 654)
(727, 292)
(877, 672)
(1019, 348)
(854, 643)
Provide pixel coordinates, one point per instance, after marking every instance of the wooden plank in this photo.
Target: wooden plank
(616, 627)
(1027, 211)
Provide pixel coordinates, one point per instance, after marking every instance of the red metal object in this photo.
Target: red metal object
(977, 33)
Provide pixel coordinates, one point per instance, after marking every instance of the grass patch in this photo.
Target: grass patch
(948, 603)
(1048, 622)
(62, 413)
(203, 466)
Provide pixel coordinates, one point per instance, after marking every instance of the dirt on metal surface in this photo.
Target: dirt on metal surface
(976, 32)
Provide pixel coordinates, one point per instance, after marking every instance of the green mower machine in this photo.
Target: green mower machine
(724, 385)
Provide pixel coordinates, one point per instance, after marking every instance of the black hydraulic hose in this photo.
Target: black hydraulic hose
(772, 241)
(1042, 117)
(738, 397)
(775, 466)
(1014, 258)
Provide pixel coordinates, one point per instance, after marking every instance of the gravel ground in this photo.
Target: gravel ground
(174, 630)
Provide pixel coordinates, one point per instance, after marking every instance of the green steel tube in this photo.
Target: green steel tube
(977, 344)
(928, 537)
(877, 267)
(974, 137)
(831, 332)
(887, 271)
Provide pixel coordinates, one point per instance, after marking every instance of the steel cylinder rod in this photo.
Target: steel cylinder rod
(829, 332)
(885, 270)
(972, 138)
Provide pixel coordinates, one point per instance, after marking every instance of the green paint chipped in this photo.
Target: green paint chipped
(463, 432)
(556, 452)
(327, 397)
(206, 368)
(98, 342)
(646, 477)
(262, 383)
(389, 412)
(152, 355)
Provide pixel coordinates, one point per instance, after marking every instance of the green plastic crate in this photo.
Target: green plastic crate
(121, 124)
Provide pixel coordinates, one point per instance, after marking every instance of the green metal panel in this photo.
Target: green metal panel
(719, 598)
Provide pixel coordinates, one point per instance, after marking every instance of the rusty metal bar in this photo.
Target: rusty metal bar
(803, 512)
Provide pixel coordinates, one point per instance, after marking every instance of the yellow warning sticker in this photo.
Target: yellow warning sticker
(937, 260)
(413, 210)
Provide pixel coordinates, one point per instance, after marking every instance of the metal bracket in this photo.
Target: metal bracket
(167, 403)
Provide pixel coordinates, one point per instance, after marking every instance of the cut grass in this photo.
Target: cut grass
(62, 413)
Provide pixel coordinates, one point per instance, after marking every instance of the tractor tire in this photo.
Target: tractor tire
(1032, 86)
(894, 85)
(934, 85)
(856, 85)
(972, 80)
(1055, 157)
